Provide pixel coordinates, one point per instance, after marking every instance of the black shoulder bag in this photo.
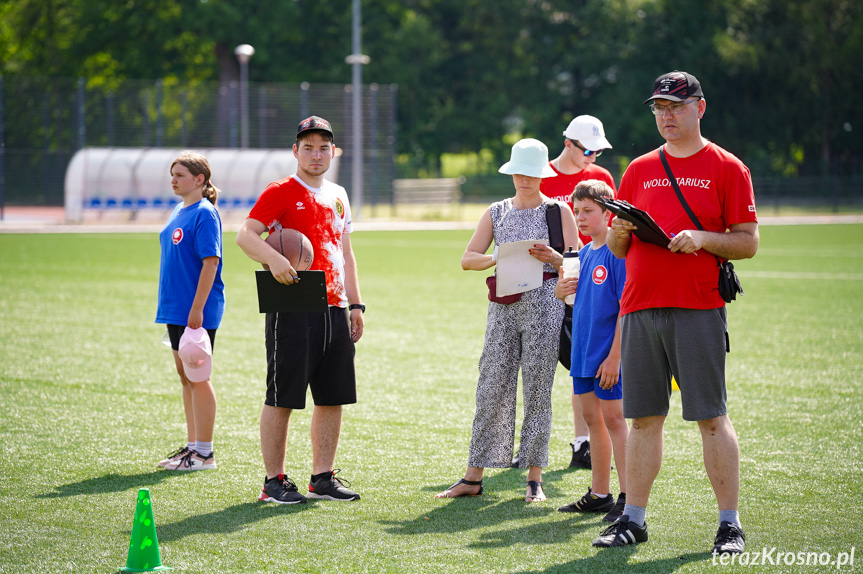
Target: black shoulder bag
(729, 283)
(556, 242)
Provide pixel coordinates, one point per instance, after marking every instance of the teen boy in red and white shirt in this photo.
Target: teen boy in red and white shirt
(305, 350)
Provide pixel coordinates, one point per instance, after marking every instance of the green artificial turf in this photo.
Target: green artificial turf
(90, 401)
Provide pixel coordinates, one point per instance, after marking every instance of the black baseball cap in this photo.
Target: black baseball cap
(314, 123)
(676, 86)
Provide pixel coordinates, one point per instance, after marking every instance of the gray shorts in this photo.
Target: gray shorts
(689, 344)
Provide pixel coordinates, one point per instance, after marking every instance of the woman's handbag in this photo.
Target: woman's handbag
(729, 283)
(491, 281)
(508, 299)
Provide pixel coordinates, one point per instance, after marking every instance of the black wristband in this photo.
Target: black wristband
(359, 306)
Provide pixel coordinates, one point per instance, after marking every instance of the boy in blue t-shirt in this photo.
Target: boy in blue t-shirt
(596, 349)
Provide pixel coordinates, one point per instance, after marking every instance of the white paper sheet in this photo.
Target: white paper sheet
(517, 271)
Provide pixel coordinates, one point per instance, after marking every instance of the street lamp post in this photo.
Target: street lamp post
(244, 53)
(357, 59)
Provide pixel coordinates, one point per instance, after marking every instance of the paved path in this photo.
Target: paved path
(51, 220)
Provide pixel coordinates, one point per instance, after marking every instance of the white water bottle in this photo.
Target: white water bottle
(571, 268)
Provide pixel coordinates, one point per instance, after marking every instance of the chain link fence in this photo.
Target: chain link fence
(44, 121)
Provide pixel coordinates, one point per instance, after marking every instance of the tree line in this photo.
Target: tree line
(781, 76)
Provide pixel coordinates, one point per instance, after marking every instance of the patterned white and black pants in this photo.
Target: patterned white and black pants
(525, 335)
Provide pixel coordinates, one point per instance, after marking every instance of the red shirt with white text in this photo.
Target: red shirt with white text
(718, 188)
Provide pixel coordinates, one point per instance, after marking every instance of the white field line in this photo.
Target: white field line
(54, 224)
(794, 275)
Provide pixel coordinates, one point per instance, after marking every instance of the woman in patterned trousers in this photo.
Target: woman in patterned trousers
(522, 334)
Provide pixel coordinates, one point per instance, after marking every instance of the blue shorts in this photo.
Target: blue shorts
(583, 385)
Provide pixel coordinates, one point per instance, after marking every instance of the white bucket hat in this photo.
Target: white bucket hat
(529, 157)
(588, 131)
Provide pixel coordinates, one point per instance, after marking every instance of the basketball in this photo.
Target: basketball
(295, 246)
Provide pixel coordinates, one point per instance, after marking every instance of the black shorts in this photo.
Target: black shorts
(175, 332)
(310, 350)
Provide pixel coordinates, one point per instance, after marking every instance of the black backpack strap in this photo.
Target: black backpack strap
(555, 227)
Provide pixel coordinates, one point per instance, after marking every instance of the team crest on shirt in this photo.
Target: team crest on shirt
(600, 274)
(177, 236)
(340, 208)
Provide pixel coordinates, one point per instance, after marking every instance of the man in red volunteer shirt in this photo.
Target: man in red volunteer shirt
(673, 317)
(308, 350)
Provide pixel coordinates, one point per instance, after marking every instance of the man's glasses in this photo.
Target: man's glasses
(587, 152)
(675, 109)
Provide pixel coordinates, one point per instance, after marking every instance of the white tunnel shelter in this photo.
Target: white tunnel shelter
(135, 179)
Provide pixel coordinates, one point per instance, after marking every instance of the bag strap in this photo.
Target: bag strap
(679, 193)
(680, 197)
(553, 219)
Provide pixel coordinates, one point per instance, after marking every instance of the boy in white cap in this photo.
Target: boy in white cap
(584, 141)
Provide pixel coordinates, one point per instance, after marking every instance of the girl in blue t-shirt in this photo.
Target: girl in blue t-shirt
(192, 296)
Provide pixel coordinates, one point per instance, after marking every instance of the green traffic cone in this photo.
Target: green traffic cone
(144, 546)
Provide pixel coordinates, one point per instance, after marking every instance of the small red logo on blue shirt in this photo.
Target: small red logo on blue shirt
(600, 274)
(177, 236)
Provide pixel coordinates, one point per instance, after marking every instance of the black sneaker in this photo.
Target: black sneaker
(621, 533)
(515, 460)
(580, 456)
(331, 488)
(589, 503)
(617, 510)
(280, 490)
(729, 539)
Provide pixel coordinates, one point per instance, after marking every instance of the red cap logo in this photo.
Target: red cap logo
(600, 274)
(177, 236)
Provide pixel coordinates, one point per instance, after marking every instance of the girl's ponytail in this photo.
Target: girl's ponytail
(211, 192)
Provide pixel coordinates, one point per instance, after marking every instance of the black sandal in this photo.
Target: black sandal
(446, 493)
(534, 495)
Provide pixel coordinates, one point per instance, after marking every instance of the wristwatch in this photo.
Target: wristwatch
(359, 306)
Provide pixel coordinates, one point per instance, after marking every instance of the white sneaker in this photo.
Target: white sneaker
(174, 456)
(193, 461)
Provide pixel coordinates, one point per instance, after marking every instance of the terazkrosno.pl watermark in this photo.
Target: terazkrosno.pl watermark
(774, 557)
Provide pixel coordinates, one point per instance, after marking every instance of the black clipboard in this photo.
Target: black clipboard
(647, 229)
(308, 295)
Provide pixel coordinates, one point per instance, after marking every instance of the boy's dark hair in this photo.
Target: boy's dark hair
(327, 136)
(592, 189)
